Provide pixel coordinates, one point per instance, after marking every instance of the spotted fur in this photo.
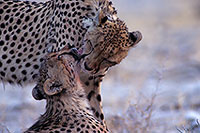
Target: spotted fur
(67, 107)
(28, 30)
(23, 35)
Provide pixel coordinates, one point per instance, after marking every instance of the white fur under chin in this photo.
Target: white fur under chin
(74, 100)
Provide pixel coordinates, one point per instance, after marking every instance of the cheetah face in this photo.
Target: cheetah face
(57, 73)
(106, 43)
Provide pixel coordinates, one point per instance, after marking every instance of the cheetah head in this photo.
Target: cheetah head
(106, 43)
(57, 74)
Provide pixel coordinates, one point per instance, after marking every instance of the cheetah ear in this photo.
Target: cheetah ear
(52, 87)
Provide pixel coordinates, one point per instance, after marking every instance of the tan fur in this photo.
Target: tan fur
(67, 109)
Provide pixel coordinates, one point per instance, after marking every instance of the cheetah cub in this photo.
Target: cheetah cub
(67, 108)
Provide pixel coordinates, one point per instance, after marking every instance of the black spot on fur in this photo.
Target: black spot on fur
(104, 19)
(87, 83)
(90, 95)
(99, 97)
(101, 116)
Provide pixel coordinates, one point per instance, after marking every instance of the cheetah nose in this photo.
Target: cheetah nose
(136, 36)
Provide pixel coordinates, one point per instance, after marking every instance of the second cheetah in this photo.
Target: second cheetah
(67, 108)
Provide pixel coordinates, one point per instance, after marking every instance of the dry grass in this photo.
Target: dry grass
(137, 119)
(192, 127)
(4, 129)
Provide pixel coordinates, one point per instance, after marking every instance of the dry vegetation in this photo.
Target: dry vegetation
(137, 119)
(4, 129)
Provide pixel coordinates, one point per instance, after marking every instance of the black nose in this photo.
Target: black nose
(133, 36)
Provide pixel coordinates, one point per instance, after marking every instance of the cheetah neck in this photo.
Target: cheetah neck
(92, 87)
(73, 100)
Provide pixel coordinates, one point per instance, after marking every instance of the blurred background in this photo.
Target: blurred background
(156, 89)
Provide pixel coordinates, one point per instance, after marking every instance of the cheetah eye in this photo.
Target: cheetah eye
(59, 57)
(104, 19)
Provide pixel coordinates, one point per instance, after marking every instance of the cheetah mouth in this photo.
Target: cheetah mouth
(87, 67)
(104, 64)
(90, 69)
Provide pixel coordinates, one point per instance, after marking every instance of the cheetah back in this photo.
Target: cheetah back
(23, 34)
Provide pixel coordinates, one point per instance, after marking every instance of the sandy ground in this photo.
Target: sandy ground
(166, 64)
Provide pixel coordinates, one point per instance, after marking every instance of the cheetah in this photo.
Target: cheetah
(108, 42)
(67, 108)
(101, 50)
(30, 30)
